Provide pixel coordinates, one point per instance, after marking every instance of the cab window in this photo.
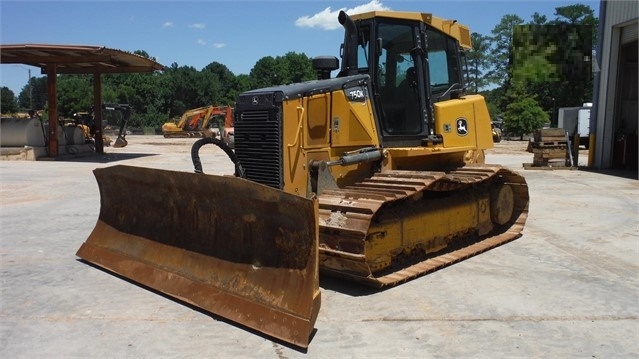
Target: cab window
(443, 61)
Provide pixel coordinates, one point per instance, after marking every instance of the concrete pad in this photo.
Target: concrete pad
(569, 287)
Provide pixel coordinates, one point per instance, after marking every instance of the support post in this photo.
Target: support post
(52, 78)
(97, 112)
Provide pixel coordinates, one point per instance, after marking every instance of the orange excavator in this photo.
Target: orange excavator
(377, 176)
(199, 122)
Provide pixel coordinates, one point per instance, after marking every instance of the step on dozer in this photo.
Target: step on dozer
(240, 250)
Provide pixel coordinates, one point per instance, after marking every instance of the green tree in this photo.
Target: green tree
(501, 54)
(538, 19)
(576, 14)
(145, 99)
(493, 98)
(243, 84)
(523, 114)
(546, 57)
(8, 101)
(578, 27)
(549, 57)
(155, 98)
(266, 72)
(225, 80)
(281, 70)
(533, 54)
(478, 62)
(75, 94)
(34, 94)
(184, 89)
(299, 68)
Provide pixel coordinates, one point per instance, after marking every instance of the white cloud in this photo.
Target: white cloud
(201, 42)
(197, 26)
(167, 24)
(327, 19)
(219, 45)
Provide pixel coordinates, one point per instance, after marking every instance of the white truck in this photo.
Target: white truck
(576, 120)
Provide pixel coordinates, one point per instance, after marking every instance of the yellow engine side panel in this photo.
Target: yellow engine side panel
(317, 129)
(295, 171)
(352, 123)
(464, 122)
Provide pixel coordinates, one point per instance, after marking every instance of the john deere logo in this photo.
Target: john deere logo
(462, 127)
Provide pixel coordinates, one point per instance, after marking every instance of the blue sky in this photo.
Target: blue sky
(235, 33)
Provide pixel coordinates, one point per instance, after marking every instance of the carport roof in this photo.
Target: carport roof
(77, 59)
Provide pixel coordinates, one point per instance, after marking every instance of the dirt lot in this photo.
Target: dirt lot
(508, 148)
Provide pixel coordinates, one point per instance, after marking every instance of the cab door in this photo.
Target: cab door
(400, 84)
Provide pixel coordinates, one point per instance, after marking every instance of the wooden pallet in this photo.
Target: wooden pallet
(545, 143)
(550, 149)
(550, 135)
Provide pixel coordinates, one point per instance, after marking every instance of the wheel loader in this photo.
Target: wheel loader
(376, 175)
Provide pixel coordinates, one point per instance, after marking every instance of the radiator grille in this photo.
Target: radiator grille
(258, 145)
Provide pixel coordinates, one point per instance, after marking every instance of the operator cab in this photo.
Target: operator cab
(411, 65)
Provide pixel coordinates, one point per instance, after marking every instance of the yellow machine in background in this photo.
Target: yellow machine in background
(115, 118)
(497, 134)
(375, 175)
(198, 122)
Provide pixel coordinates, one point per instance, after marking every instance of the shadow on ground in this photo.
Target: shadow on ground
(623, 173)
(105, 158)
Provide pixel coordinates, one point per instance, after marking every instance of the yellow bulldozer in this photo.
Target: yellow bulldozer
(376, 175)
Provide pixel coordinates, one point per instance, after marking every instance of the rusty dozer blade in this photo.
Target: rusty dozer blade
(241, 250)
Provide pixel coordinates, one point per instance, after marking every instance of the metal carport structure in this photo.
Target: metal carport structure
(75, 59)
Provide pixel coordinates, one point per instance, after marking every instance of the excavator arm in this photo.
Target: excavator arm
(125, 110)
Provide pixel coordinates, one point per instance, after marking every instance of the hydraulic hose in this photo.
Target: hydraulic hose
(197, 163)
